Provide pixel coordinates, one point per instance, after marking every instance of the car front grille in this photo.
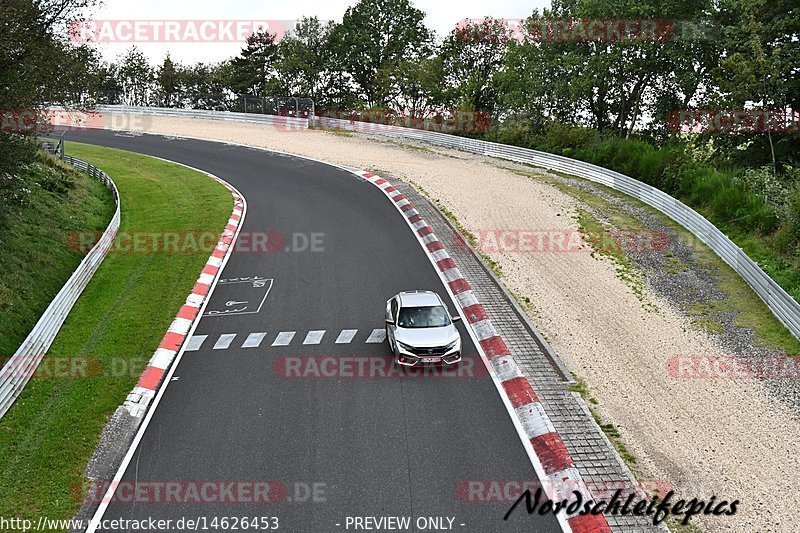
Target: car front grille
(430, 352)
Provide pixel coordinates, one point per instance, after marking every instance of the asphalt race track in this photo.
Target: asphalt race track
(367, 446)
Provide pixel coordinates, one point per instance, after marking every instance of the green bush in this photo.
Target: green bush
(513, 132)
(723, 195)
(788, 238)
(724, 199)
(557, 137)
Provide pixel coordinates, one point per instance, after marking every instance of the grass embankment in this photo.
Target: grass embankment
(36, 261)
(51, 431)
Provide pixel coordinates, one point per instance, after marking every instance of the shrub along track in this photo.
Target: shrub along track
(49, 434)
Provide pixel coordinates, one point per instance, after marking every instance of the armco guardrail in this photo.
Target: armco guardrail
(280, 122)
(19, 369)
(783, 306)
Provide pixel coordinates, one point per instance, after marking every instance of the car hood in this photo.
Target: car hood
(427, 337)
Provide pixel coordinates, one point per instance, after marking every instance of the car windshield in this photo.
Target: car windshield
(423, 317)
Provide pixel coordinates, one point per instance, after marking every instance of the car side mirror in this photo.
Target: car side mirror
(390, 322)
(456, 318)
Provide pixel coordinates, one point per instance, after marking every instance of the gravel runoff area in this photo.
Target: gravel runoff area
(733, 438)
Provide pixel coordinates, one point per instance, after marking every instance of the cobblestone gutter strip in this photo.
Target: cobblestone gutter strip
(595, 457)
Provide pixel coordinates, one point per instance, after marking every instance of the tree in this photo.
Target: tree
(136, 76)
(205, 86)
(760, 69)
(471, 56)
(305, 67)
(37, 68)
(377, 35)
(168, 78)
(603, 81)
(110, 86)
(252, 70)
(31, 50)
(413, 89)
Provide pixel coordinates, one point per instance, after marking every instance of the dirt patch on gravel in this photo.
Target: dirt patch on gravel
(730, 438)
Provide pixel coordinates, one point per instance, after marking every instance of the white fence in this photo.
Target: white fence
(783, 306)
(280, 122)
(20, 368)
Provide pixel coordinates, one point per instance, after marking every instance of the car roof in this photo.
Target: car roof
(419, 299)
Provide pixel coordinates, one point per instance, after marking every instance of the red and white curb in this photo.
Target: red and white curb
(139, 399)
(549, 456)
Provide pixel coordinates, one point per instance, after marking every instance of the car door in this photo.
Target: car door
(392, 307)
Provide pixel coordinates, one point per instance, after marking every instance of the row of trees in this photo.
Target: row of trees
(737, 53)
(721, 54)
(568, 79)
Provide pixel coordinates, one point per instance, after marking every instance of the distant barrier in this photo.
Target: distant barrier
(281, 122)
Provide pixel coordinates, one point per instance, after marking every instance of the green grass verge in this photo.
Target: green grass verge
(51, 431)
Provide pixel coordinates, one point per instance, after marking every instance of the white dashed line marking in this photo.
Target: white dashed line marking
(283, 338)
(254, 340)
(195, 342)
(314, 336)
(224, 341)
(346, 336)
(377, 336)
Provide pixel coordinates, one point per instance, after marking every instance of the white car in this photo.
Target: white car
(421, 330)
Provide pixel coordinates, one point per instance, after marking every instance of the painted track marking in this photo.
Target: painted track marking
(254, 340)
(224, 341)
(346, 336)
(195, 342)
(314, 336)
(377, 336)
(284, 338)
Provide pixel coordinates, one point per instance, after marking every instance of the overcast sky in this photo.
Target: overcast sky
(442, 15)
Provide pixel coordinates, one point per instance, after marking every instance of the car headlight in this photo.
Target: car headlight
(455, 345)
(405, 347)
